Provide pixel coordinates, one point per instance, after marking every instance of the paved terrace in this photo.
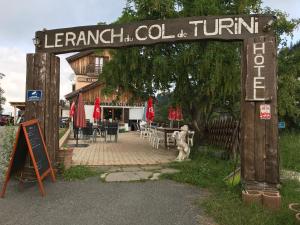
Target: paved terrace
(129, 150)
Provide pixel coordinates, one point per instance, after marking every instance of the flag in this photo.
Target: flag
(150, 111)
(97, 112)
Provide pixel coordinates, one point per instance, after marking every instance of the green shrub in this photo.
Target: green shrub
(7, 138)
(289, 147)
(79, 173)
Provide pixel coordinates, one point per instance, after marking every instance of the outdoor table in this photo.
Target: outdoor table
(167, 130)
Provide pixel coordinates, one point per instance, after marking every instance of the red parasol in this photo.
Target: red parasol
(97, 112)
(79, 113)
(171, 114)
(150, 111)
(179, 115)
(72, 109)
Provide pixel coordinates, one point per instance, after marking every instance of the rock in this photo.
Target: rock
(169, 170)
(288, 174)
(155, 176)
(131, 169)
(103, 175)
(151, 167)
(114, 169)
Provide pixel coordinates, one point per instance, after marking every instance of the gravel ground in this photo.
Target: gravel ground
(94, 202)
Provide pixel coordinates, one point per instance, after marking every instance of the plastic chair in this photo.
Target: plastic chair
(87, 131)
(102, 129)
(170, 140)
(144, 132)
(160, 138)
(112, 129)
(191, 138)
(151, 135)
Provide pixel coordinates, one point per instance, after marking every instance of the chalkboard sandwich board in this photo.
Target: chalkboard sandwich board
(30, 142)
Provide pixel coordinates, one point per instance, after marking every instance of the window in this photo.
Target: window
(98, 64)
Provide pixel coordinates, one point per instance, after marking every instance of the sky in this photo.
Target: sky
(19, 20)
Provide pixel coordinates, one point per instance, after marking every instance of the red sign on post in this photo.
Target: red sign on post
(265, 112)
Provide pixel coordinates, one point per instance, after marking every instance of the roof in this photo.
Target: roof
(79, 55)
(17, 103)
(84, 89)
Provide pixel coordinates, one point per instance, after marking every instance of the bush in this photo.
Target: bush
(289, 146)
(7, 138)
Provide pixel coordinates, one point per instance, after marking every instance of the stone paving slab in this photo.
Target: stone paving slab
(128, 176)
(151, 167)
(169, 170)
(114, 169)
(129, 150)
(155, 176)
(135, 174)
(288, 174)
(131, 169)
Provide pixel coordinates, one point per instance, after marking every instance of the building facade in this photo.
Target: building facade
(117, 105)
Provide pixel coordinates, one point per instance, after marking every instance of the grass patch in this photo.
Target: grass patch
(203, 170)
(80, 173)
(225, 204)
(289, 146)
(227, 208)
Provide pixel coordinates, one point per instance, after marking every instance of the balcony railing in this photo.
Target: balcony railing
(93, 69)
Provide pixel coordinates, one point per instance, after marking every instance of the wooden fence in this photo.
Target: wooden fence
(224, 133)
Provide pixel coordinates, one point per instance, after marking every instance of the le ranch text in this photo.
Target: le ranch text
(152, 32)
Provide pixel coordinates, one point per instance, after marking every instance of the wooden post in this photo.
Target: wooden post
(15, 115)
(259, 137)
(43, 74)
(123, 115)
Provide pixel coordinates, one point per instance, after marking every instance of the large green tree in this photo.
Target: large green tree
(289, 85)
(202, 76)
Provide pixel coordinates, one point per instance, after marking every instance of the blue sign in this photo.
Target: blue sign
(281, 125)
(34, 95)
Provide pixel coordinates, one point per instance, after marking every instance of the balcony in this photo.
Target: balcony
(93, 70)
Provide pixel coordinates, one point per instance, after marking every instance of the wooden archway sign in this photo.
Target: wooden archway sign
(259, 156)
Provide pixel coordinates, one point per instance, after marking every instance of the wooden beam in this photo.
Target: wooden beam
(247, 125)
(228, 27)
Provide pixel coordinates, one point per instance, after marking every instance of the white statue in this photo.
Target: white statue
(182, 146)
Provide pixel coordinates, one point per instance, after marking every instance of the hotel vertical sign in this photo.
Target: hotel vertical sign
(261, 68)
